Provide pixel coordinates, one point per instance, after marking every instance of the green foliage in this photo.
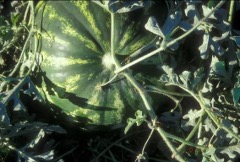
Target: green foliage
(188, 98)
(138, 120)
(6, 33)
(191, 117)
(15, 124)
(19, 134)
(186, 79)
(120, 6)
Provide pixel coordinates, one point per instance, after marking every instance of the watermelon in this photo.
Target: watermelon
(75, 61)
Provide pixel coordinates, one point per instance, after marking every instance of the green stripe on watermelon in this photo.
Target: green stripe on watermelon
(75, 39)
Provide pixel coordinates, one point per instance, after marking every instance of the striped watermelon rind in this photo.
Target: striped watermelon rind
(75, 47)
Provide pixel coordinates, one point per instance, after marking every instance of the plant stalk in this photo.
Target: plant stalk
(169, 144)
(191, 134)
(231, 10)
(143, 95)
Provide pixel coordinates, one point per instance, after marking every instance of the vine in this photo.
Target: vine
(199, 98)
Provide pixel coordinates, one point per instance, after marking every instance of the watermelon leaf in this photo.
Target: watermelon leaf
(186, 79)
(138, 120)
(204, 53)
(171, 23)
(210, 155)
(122, 6)
(231, 151)
(191, 11)
(127, 6)
(218, 69)
(190, 118)
(25, 85)
(152, 26)
(236, 39)
(236, 95)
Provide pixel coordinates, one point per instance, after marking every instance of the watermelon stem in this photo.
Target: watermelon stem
(231, 10)
(108, 61)
(110, 81)
(113, 39)
(142, 93)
